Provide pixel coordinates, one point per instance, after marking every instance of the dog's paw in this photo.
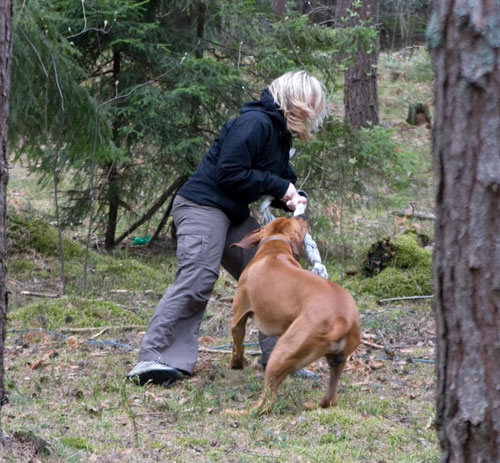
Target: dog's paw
(328, 403)
(237, 363)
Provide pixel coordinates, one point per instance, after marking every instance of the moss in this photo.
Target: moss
(132, 274)
(21, 266)
(409, 275)
(72, 312)
(77, 442)
(409, 253)
(25, 233)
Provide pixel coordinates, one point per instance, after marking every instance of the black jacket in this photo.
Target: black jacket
(248, 159)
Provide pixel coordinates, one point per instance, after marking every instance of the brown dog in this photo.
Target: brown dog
(314, 317)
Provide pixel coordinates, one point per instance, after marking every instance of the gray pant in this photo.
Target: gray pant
(204, 236)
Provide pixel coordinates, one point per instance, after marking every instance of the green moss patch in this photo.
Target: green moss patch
(409, 253)
(77, 442)
(409, 274)
(26, 233)
(72, 312)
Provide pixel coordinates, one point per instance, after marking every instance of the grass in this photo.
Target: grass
(68, 387)
(77, 398)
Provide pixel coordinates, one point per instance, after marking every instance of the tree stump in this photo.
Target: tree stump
(379, 256)
(419, 114)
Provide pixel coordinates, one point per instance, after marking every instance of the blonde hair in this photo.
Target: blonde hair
(302, 98)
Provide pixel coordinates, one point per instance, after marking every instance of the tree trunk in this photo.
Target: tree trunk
(113, 177)
(466, 149)
(114, 204)
(5, 67)
(360, 87)
(279, 7)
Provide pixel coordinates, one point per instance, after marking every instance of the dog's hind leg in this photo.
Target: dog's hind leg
(337, 364)
(292, 352)
(240, 316)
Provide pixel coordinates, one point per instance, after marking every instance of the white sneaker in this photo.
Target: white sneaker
(304, 373)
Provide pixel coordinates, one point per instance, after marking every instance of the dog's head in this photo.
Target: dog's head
(293, 229)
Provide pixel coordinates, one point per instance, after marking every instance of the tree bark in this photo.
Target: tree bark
(279, 7)
(360, 78)
(113, 177)
(464, 37)
(5, 69)
(114, 204)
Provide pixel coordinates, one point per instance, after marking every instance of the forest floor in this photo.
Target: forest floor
(66, 357)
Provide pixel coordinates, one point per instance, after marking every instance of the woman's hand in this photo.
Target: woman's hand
(292, 199)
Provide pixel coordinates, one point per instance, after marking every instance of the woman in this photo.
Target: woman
(250, 158)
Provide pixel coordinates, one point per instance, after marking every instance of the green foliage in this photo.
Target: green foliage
(72, 312)
(143, 87)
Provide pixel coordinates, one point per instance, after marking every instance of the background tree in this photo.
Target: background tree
(467, 257)
(150, 84)
(402, 23)
(279, 7)
(360, 86)
(5, 66)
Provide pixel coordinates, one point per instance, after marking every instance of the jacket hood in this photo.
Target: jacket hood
(266, 105)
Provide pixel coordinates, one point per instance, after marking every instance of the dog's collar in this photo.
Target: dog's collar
(275, 237)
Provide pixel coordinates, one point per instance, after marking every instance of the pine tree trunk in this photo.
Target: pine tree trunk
(279, 7)
(113, 177)
(114, 204)
(466, 149)
(5, 67)
(360, 88)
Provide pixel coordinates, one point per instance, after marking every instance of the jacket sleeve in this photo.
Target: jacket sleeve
(246, 139)
(288, 174)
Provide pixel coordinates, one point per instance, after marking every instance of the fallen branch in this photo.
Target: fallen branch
(406, 298)
(177, 186)
(152, 210)
(35, 294)
(373, 345)
(132, 308)
(221, 351)
(99, 328)
(94, 336)
(416, 214)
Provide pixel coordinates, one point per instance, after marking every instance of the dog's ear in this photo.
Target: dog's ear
(249, 241)
(304, 224)
(297, 247)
